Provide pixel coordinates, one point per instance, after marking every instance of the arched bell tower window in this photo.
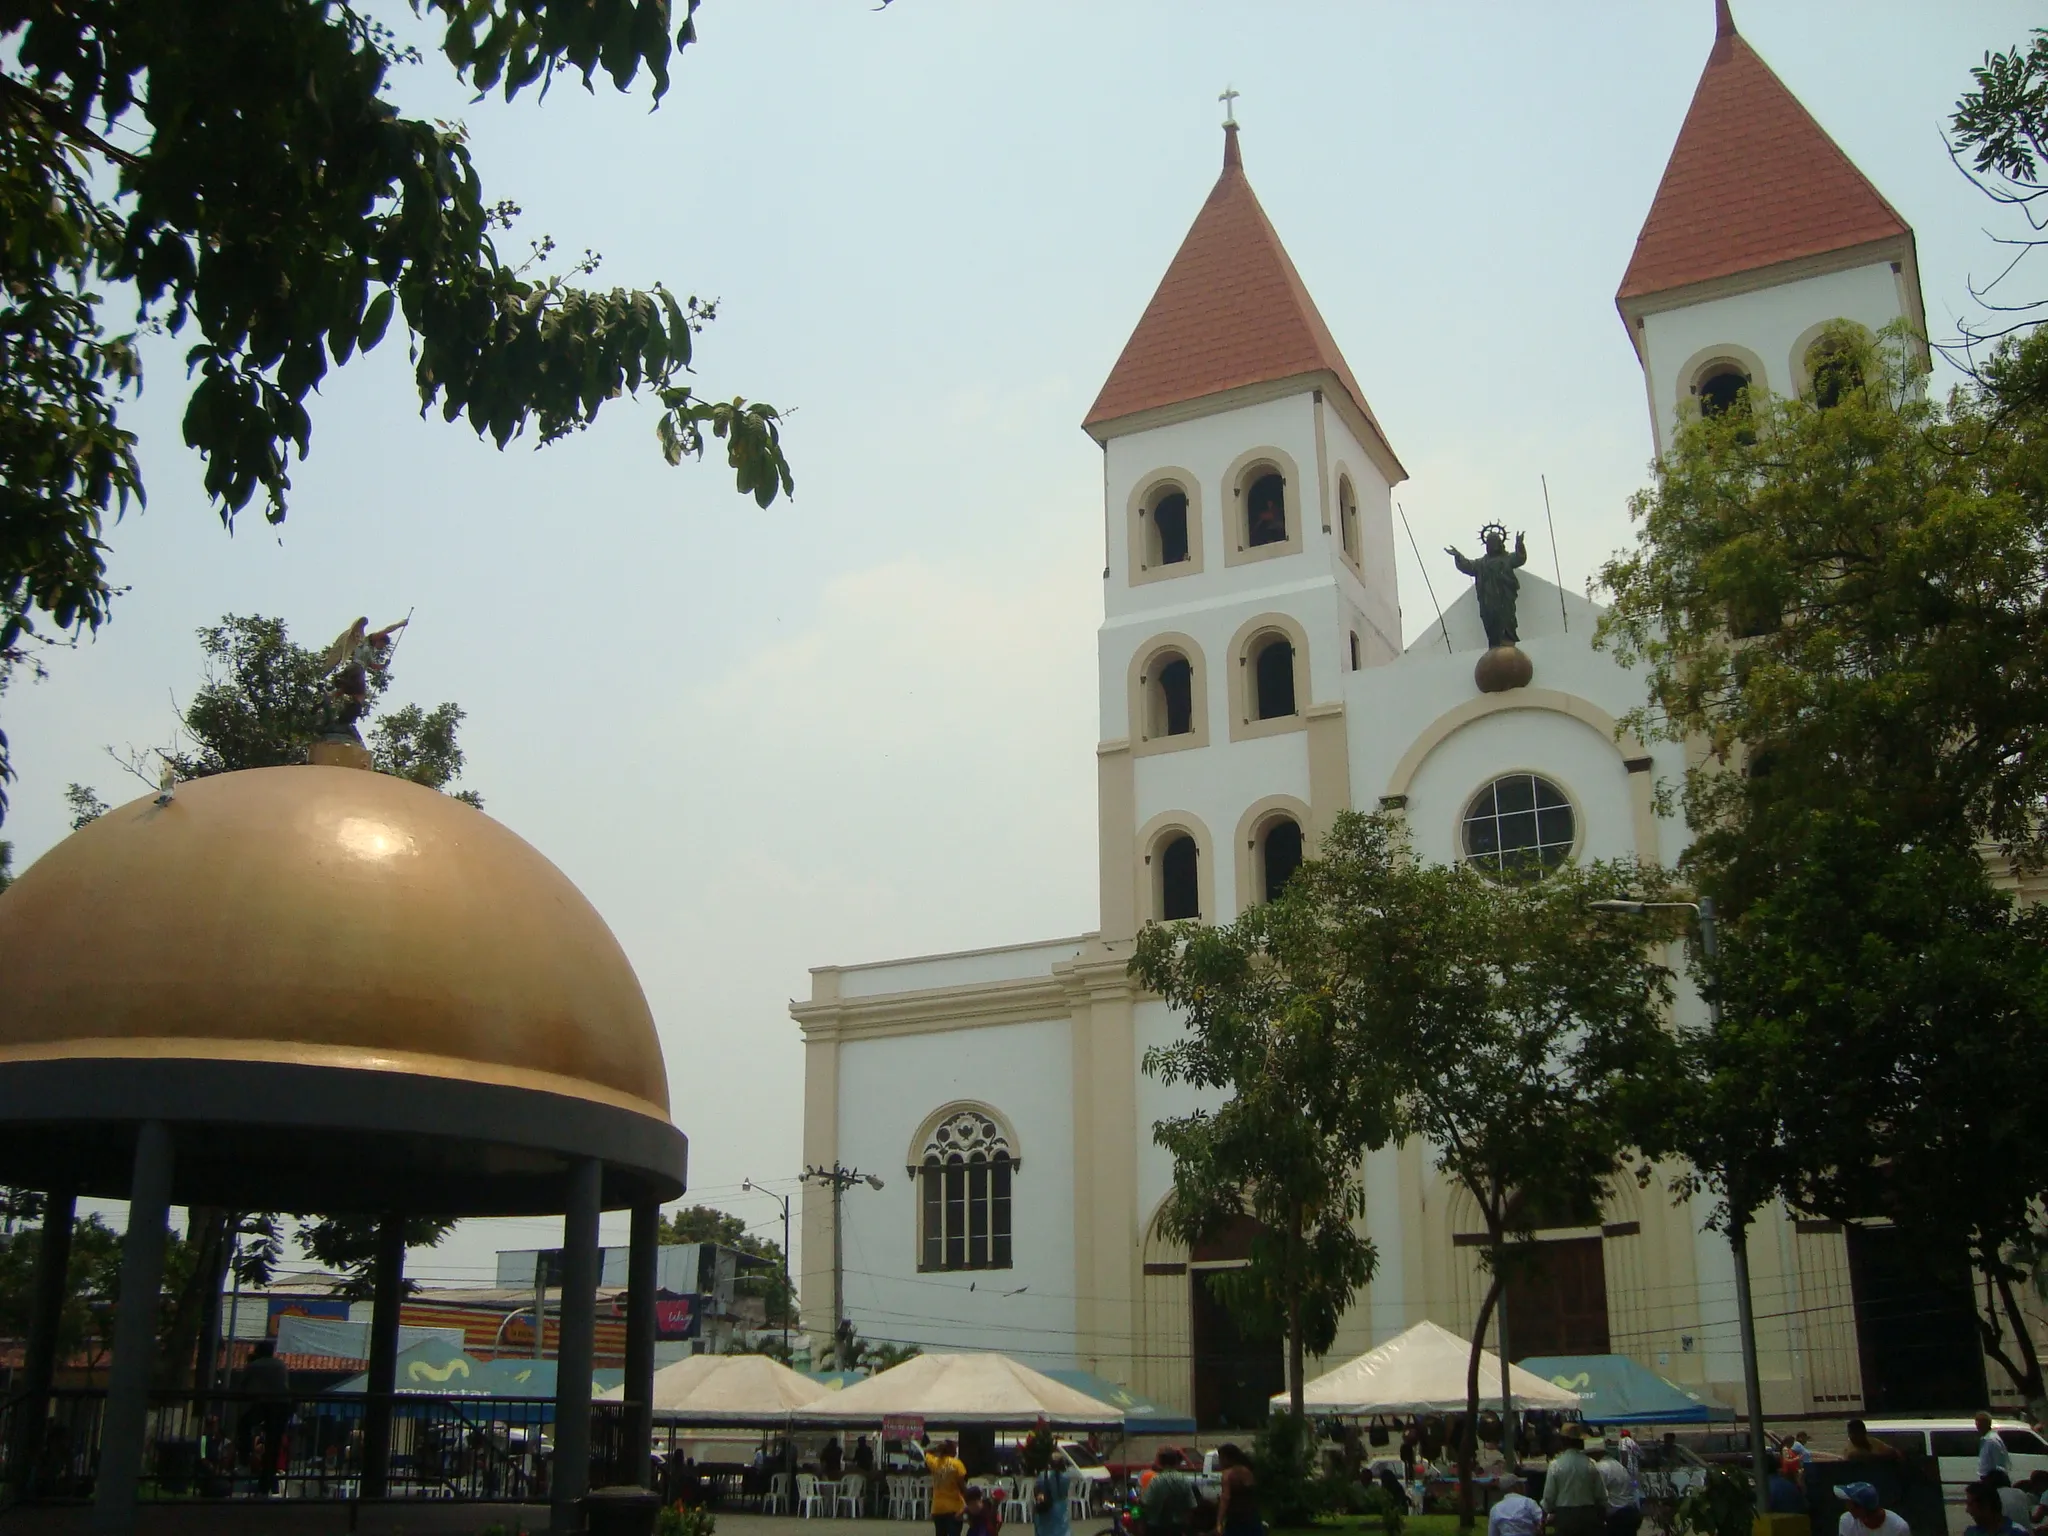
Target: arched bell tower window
(965, 1162)
(1832, 365)
(1174, 692)
(1265, 508)
(1720, 388)
(1180, 886)
(1347, 518)
(1168, 538)
(1279, 855)
(1273, 677)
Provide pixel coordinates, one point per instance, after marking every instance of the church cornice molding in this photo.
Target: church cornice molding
(936, 1010)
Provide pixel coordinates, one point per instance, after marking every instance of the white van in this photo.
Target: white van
(1953, 1445)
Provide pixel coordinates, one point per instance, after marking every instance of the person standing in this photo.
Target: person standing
(949, 1483)
(1237, 1507)
(983, 1515)
(1624, 1513)
(269, 1380)
(1169, 1501)
(1574, 1498)
(1514, 1513)
(1866, 1513)
(1051, 1514)
(1863, 1448)
(1992, 1456)
(1987, 1515)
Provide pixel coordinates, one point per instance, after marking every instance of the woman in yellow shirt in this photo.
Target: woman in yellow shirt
(949, 1483)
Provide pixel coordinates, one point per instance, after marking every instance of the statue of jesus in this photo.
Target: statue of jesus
(1493, 574)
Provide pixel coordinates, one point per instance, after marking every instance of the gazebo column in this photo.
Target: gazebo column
(39, 1363)
(640, 1284)
(570, 1478)
(388, 1296)
(142, 1271)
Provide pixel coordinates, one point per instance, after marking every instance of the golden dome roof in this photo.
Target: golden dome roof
(328, 917)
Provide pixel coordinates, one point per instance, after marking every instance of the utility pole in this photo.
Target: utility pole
(788, 1290)
(840, 1178)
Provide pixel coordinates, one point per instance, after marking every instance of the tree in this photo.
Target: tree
(1262, 1003)
(1505, 1027)
(1841, 598)
(2002, 128)
(241, 169)
(768, 1280)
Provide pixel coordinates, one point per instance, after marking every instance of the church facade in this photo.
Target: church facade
(1252, 684)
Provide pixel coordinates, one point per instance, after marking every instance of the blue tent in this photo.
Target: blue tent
(1141, 1416)
(1614, 1389)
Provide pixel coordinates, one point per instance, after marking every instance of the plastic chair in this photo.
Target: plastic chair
(1017, 1500)
(777, 1500)
(1078, 1489)
(920, 1498)
(852, 1497)
(902, 1498)
(810, 1499)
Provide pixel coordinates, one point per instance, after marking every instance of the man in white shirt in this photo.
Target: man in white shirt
(1992, 1456)
(1624, 1514)
(1515, 1513)
(1866, 1514)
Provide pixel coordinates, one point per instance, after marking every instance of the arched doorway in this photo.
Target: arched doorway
(1236, 1370)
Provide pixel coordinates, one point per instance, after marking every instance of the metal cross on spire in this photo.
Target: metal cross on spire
(1229, 100)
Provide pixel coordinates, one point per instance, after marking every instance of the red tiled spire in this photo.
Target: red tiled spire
(1230, 311)
(1752, 181)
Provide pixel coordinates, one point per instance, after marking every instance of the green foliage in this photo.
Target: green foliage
(347, 1245)
(1847, 604)
(1036, 1452)
(85, 1327)
(84, 804)
(1722, 1505)
(1292, 1491)
(674, 1520)
(1266, 1022)
(268, 202)
(1504, 1025)
(6, 864)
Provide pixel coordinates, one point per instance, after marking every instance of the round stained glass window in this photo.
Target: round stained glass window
(1518, 827)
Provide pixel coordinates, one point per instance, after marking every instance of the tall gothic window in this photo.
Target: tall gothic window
(964, 1194)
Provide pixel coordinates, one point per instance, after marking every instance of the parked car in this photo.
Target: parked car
(1953, 1445)
(1722, 1447)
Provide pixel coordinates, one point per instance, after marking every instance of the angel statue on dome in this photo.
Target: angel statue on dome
(357, 654)
(1493, 576)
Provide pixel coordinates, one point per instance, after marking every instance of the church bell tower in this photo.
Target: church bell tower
(1248, 514)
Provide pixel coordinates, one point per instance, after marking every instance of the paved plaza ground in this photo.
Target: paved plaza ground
(426, 1517)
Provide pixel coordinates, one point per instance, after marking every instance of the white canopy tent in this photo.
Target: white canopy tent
(948, 1391)
(1423, 1371)
(728, 1391)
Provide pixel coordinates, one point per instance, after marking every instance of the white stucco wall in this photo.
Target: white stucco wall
(1154, 1024)
(1008, 962)
(887, 1087)
(1766, 322)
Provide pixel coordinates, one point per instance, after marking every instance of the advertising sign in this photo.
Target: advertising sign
(677, 1317)
(902, 1426)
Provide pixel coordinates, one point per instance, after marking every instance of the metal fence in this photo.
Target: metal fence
(233, 1446)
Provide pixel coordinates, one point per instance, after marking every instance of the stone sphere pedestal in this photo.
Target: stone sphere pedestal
(1502, 668)
(329, 753)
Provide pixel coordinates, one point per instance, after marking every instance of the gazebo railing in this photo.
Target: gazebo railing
(215, 1445)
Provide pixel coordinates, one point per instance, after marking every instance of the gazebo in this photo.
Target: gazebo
(324, 989)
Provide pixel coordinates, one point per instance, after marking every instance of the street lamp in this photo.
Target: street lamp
(788, 1290)
(1738, 1221)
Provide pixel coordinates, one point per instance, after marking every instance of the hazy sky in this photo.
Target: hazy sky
(762, 741)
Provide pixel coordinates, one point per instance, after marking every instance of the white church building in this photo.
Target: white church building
(1253, 684)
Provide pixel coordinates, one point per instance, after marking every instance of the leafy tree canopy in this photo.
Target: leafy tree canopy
(241, 172)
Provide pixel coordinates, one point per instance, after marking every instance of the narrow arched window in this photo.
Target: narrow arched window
(1180, 893)
(1176, 687)
(1273, 677)
(1265, 510)
(1832, 364)
(1720, 389)
(1347, 517)
(964, 1182)
(1354, 651)
(1170, 529)
(1279, 855)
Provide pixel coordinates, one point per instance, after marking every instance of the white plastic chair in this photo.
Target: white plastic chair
(1017, 1500)
(920, 1498)
(1078, 1489)
(811, 1500)
(902, 1498)
(777, 1500)
(851, 1498)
